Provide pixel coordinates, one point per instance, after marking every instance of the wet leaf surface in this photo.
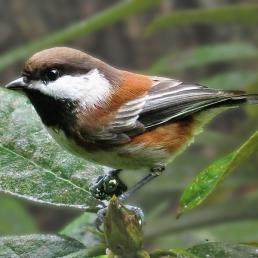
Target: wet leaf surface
(224, 250)
(45, 246)
(33, 166)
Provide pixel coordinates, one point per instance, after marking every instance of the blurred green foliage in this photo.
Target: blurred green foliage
(232, 14)
(33, 167)
(201, 56)
(14, 218)
(225, 80)
(82, 28)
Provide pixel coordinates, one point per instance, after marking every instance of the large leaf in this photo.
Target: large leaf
(175, 253)
(45, 246)
(200, 56)
(232, 14)
(209, 178)
(33, 166)
(225, 250)
(100, 20)
(211, 250)
(87, 254)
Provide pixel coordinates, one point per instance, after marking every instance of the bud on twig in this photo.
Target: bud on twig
(123, 232)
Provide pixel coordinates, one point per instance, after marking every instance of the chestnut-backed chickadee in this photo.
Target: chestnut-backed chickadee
(118, 118)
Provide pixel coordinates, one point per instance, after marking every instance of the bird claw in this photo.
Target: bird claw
(108, 185)
(100, 218)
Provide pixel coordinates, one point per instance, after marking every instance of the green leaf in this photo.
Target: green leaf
(33, 166)
(178, 253)
(206, 181)
(84, 254)
(231, 14)
(93, 251)
(201, 56)
(211, 250)
(14, 218)
(101, 20)
(225, 250)
(45, 246)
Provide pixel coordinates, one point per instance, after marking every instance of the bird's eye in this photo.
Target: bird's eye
(26, 79)
(51, 74)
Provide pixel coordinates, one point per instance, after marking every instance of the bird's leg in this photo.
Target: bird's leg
(108, 185)
(154, 172)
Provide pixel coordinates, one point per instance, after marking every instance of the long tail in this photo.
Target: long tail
(241, 97)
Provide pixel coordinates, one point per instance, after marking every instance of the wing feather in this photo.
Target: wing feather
(166, 101)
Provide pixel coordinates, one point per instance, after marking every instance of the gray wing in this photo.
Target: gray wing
(167, 101)
(170, 100)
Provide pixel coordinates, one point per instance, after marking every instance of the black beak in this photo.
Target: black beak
(17, 84)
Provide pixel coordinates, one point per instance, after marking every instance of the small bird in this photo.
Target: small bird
(117, 118)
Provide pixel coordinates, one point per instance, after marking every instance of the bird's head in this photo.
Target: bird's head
(62, 78)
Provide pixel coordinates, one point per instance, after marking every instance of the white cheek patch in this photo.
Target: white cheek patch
(90, 89)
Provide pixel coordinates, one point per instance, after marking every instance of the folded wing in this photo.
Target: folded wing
(167, 101)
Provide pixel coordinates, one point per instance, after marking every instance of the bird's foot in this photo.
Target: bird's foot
(111, 184)
(100, 218)
(108, 185)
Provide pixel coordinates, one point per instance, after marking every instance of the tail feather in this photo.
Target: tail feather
(242, 97)
(173, 103)
(252, 98)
